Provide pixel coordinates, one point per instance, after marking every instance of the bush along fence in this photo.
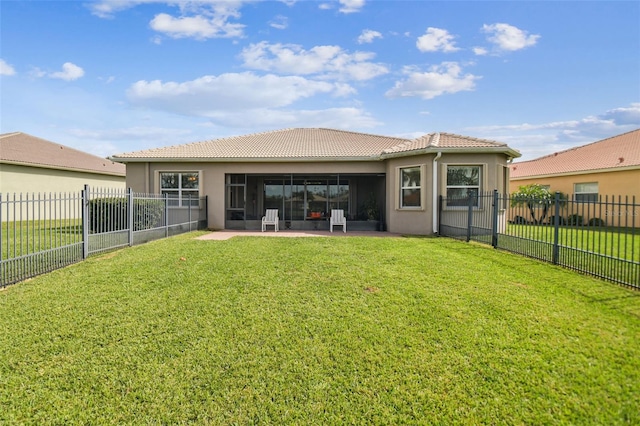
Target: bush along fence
(599, 238)
(43, 232)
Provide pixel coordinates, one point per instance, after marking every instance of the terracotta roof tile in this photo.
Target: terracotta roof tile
(616, 152)
(287, 143)
(445, 141)
(309, 143)
(21, 148)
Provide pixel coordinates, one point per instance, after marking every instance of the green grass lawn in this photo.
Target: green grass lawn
(620, 243)
(32, 236)
(318, 331)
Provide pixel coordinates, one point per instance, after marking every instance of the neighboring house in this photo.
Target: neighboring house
(380, 182)
(610, 167)
(30, 165)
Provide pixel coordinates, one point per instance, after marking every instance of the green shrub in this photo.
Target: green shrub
(108, 214)
(596, 221)
(575, 220)
(147, 214)
(112, 214)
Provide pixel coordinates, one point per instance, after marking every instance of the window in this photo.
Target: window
(410, 187)
(180, 187)
(463, 183)
(585, 192)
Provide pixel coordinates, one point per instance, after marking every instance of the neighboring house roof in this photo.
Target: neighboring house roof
(615, 153)
(23, 149)
(310, 144)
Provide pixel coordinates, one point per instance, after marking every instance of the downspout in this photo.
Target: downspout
(435, 192)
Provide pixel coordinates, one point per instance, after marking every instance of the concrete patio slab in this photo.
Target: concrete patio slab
(226, 234)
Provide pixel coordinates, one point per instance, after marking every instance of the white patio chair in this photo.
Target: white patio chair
(270, 218)
(337, 219)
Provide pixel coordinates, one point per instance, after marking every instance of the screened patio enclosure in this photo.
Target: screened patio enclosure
(305, 201)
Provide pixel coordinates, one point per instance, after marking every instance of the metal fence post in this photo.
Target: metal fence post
(130, 214)
(469, 219)
(556, 228)
(2, 279)
(166, 214)
(494, 220)
(189, 208)
(85, 222)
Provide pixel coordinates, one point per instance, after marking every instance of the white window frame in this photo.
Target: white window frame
(482, 169)
(583, 192)
(182, 200)
(420, 187)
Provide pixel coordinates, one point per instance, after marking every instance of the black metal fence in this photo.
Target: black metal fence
(43, 232)
(599, 238)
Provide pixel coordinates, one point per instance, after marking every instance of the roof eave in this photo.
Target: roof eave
(578, 172)
(243, 159)
(67, 169)
(509, 152)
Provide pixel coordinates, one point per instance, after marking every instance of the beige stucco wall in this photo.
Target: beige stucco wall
(420, 221)
(143, 177)
(612, 183)
(24, 179)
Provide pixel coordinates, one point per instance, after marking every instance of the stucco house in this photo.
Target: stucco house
(29, 164)
(609, 167)
(380, 182)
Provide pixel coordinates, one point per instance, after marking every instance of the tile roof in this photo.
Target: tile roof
(622, 151)
(449, 141)
(21, 148)
(307, 143)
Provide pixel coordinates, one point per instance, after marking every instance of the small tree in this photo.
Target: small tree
(536, 196)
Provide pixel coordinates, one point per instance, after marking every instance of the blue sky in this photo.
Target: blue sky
(109, 77)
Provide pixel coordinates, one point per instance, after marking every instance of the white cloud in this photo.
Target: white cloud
(624, 116)
(36, 72)
(509, 38)
(6, 69)
(201, 19)
(351, 6)
(279, 22)
(69, 72)
(368, 36)
(535, 140)
(436, 39)
(326, 61)
(211, 95)
(198, 27)
(106, 9)
(248, 101)
(439, 80)
(335, 118)
(480, 51)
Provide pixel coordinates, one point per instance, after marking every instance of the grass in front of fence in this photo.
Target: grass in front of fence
(32, 236)
(616, 242)
(318, 331)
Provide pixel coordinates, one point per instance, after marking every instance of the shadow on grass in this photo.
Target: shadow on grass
(628, 303)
